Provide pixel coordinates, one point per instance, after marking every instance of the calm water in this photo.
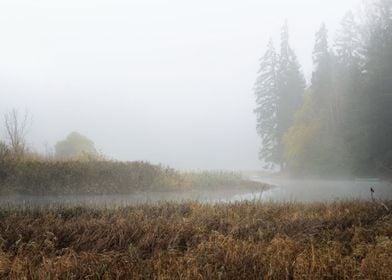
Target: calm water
(284, 190)
(319, 190)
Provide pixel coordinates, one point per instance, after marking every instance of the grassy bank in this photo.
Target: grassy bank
(85, 177)
(343, 240)
(48, 177)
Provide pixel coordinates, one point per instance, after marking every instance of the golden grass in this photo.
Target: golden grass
(48, 177)
(341, 240)
(26, 176)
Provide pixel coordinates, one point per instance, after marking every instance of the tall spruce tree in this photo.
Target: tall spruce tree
(329, 153)
(321, 76)
(266, 104)
(348, 45)
(348, 80)
(309, 145)
(290, 88)
(378, 89)
(349, 60)
(322, 82)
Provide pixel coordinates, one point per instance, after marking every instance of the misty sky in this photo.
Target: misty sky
(168, 81)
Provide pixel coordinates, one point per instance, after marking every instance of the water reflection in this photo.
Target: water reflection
(284, 190)
(318, 190)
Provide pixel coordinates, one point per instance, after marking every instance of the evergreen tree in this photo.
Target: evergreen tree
(349, 60)
(290, 88)
(348, 84)
(266, 100)
(321, 76)
(348, 46)
(346, 117)
(312, 144)
(378, 89)
(322, 81)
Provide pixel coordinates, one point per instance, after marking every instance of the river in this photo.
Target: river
(283, 190)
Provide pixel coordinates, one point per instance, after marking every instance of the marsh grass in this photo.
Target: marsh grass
(48, 177)
(248, 240)
(27, 176)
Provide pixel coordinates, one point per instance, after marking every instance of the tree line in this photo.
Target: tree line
(341, 123)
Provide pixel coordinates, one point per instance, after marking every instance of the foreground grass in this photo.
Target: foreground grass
(342, 240)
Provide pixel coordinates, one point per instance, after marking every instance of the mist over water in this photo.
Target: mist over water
(323, 190)
(282, 190)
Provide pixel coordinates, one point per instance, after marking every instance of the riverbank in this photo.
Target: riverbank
(339, 240)
(42, 177)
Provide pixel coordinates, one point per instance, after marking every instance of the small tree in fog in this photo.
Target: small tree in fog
(74, 146)
(16, 130)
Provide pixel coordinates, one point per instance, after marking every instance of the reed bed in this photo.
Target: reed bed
(247, 240)
(26, 176)
(49, 177)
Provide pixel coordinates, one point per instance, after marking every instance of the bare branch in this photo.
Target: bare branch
(16, 130)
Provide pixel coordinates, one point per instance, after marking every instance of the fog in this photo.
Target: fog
(279, 190)
(165, 81)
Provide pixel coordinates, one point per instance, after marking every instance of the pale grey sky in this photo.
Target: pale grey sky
(166, 81)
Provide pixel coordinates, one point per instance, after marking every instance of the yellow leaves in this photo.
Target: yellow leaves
(304, 132)
(299, 137)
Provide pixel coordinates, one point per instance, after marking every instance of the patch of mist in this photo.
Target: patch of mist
(285, 190)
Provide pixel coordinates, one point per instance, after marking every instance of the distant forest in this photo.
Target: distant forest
(341, 123)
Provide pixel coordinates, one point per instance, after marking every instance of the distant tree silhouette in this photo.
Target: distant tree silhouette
(74, 146)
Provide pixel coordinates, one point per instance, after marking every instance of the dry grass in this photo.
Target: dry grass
(342, 240)
(28, 176)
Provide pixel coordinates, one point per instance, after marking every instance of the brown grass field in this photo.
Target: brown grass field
(248, 240)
